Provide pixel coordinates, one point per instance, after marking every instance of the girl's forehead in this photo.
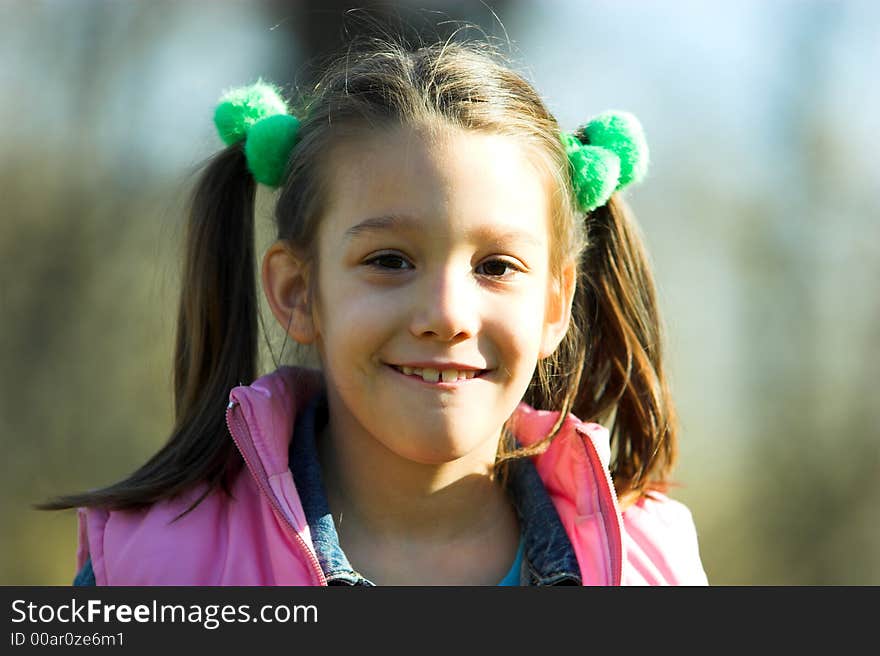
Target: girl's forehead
(453, 177)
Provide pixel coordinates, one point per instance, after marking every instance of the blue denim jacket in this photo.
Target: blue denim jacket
(548, 555)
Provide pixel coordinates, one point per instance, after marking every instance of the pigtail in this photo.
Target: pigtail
(623, 385)
(216, 344)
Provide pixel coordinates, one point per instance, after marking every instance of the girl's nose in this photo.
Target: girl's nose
(446, 308)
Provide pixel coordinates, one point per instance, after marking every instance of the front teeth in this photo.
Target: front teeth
(435, 375)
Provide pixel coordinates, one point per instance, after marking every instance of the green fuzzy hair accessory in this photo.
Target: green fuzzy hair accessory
(605, 155)
(258, 115)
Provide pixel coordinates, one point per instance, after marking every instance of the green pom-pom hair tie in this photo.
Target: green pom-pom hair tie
(605, 155)
(258, 115)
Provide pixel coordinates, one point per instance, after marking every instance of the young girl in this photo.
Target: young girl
(472, 284)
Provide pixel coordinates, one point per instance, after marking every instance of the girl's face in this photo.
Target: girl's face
(434, 296)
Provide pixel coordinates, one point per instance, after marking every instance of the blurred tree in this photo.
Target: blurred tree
(811, 489)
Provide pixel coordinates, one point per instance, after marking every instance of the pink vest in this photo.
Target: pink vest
(260, 536)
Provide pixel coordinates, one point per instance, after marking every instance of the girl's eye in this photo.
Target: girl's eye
(497, 268)
(389, 261)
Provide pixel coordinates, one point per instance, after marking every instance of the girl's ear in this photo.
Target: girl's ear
(285, 279)
(558, 313)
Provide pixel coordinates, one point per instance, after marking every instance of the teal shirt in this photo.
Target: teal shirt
(512, 577)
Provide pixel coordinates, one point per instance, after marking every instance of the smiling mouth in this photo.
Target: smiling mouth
(439, 375)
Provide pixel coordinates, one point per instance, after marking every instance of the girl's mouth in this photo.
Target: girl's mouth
(430, 375)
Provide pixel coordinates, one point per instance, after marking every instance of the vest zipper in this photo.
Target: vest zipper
(610, 498)
(276, 507)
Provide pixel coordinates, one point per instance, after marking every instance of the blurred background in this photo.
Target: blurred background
(761, 214)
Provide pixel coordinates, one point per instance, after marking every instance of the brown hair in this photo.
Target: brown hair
(607, 369)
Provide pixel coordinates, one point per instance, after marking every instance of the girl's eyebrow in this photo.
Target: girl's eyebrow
(385, 222)
(407, 223)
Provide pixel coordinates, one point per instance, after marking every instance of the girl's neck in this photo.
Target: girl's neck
(404, 523)
(372, 490)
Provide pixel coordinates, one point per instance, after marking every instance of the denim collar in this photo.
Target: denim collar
(549, 557)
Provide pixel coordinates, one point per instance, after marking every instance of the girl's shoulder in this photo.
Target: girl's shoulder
(661, 507)
(120, 544)
(662, 545)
